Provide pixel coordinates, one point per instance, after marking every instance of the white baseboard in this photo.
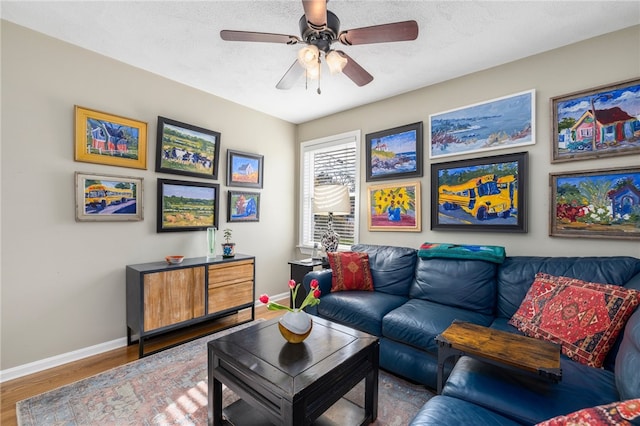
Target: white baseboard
(55, 361)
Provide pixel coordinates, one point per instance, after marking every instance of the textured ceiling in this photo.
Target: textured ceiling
(180, 41)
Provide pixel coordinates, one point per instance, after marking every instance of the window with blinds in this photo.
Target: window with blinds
(331, 160)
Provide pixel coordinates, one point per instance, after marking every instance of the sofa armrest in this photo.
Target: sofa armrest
(324, 278)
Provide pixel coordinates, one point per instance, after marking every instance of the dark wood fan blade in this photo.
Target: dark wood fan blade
(230, 35)
(290, 77)
(354, 71)
(316, 13)
(398, 31)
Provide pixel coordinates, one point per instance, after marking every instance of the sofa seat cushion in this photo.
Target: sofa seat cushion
(362, 310)
(528, 399)
(446, 411)
(418, 322)
(467, 284)
(584, 317)
(392, 268)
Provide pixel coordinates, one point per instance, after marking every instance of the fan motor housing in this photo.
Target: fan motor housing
(322, 39)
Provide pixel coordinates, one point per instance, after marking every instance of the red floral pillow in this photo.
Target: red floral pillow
(617, 413)
(584, 317)
(350, 271)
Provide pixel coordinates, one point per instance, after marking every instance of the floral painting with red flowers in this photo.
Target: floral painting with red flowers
(394, 207)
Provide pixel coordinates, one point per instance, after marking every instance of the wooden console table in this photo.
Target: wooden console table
(163, 298)
(502, 348)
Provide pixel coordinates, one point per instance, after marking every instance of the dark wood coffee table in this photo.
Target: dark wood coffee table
(293, 384)
(510, 350)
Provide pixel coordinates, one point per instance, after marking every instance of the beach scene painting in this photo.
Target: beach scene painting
(395, 153)
(500, 123)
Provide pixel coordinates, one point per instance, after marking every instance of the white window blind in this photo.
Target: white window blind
(331, 160)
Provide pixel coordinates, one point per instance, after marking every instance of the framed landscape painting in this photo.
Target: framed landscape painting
(243, 206)
(187, 206)
(483, 194)
(395, 153)
(505, 122)
(599, 122)
(394, 207)
(244, 169)
(596, 203)
(184, 149)
(105, 198)
(109, 139)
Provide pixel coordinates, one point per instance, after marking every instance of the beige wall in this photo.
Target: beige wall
(63, 282)
(607, 59)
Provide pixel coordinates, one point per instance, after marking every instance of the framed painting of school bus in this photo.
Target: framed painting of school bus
(480, 194)
(596, 204)
(599, 122)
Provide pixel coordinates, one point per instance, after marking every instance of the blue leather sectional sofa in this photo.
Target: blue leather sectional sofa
(415, 299)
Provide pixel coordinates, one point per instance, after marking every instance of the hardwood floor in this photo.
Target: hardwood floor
(21, 388)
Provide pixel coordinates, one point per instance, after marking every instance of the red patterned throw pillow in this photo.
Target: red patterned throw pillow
(617, 413)
(584, 317)
(350, 271)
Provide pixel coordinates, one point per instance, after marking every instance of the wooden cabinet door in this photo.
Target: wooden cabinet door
(172, 297)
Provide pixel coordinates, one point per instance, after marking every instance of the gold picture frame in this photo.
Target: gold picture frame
(109, 139)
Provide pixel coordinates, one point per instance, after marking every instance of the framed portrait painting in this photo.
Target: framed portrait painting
(185, 149)
(601, 203)
(108, 198)
(187, 206)
(394, 207)
(244, 169)
(109, 139)
(598, 122)
(483, 194)
(243, 206)
(500, 123)
(395, 153)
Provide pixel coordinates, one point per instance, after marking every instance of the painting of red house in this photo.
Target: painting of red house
(599, 122)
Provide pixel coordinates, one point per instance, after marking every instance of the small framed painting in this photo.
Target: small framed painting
(187, 206)
(243, 206)
(596, 204)
(108, 198)
(109, 139)
(244, 169)
(480, 194)
(185, 149)
(394, 207)
(598, 122)
(500, 123)
(395, 153)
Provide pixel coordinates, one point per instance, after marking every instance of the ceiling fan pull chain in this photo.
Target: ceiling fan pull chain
(319, 92)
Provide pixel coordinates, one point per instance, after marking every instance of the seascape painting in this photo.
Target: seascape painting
(597, 204)
(600, 122)
(395, 153)
(501, 123)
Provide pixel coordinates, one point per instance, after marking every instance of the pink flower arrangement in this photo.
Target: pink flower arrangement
(312, 299)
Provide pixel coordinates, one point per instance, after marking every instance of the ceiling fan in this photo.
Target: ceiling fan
(319, 29)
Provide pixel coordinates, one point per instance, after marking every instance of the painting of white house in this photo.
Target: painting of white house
(499, 123)
(596, 123)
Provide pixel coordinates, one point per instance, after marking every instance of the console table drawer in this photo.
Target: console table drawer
(229, 296)
(229, 273)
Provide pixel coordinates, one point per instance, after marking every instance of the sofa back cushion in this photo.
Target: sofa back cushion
(392, 268)
(517, 273)
(466, 284)
(626, 370)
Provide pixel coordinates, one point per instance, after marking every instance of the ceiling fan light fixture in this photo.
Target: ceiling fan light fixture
(308, 56)
(335, 62)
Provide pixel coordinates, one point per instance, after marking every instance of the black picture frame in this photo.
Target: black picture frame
(187, 206)
(244, 169)
(243, 206)
(403, 159)
(480, 194)
(185, 149)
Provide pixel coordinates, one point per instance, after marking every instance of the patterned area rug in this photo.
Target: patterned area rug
(170, 388)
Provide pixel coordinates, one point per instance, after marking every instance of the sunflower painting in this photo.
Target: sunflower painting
(394, 207)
